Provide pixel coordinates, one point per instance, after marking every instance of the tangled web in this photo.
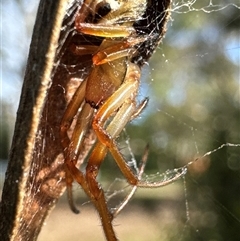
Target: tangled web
(191, 126)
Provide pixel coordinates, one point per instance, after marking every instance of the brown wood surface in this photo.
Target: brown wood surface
(27, 195)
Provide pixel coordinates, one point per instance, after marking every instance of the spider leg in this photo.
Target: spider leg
(83, 49)
(72, 147)
(126, 200)
(99, 152)
(90, 184)
(123, 100)
(71, 153)
(126, 108)
(70, 112)
(103, 30)
(116, 51)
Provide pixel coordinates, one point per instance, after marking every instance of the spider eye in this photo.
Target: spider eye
(102, 10)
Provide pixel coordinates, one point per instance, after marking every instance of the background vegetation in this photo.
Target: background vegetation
(193, 82)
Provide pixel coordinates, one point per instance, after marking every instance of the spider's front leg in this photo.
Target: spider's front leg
(122, 101)
(73, 146)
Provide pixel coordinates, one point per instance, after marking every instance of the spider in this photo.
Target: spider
(106, 100)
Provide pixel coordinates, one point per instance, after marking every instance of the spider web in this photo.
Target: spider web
(192, 124)
(186, 131)
(192, 128)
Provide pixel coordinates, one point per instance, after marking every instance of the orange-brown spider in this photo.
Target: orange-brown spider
(106, 100)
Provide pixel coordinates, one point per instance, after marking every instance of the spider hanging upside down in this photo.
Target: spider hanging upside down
(129, 31)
